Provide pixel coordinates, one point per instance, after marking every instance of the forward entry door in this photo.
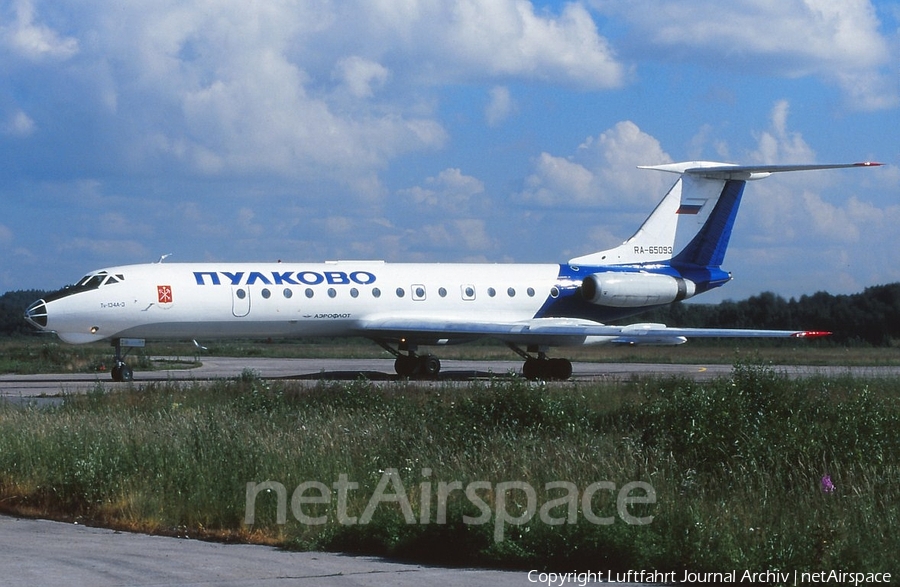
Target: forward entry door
(240, 301)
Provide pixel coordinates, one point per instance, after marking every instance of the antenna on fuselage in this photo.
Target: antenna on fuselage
(164, 257)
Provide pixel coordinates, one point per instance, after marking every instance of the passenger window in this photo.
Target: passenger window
(492, 292)
(530, 292)
(400, 292)
(309, 292)
(376, 292)
(266, 293)
(511, 292)
(418, 292)
(468, 292)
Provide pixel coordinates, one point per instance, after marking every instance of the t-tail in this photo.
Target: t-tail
(692, 224)
(687, 233)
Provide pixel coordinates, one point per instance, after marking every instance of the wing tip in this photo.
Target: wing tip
(811, 334)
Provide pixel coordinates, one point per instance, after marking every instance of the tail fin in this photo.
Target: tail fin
(692, 224)
(654, 241)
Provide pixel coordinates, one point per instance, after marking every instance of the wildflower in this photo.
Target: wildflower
(827, 485)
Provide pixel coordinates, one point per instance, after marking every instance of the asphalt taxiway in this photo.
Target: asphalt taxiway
(22, 387)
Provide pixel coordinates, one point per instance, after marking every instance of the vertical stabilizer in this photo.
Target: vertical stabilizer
(653, 242)
(692, 224)
(672, 225)
(707, 245)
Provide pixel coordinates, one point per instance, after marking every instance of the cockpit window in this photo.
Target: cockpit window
(86, 283)
(91, 281)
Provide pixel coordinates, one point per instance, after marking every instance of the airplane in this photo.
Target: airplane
(676, 254)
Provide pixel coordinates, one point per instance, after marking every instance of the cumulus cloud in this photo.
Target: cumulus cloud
(817, 218)
(778, 145)
(837, 40)
(18, 124)
(304, 89)
(508, 37)
(33, 40)
(361, 76)
(467, 234)
(499, 107)
(447, 215)
(449, 190)
(602, 172)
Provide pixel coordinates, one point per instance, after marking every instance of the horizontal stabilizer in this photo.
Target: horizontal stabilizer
(726, 171)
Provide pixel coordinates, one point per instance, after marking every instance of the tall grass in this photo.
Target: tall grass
(736, 464)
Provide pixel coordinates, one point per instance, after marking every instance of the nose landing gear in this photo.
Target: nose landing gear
(121, 371)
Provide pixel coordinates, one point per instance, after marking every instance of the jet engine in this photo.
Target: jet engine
(633, 290)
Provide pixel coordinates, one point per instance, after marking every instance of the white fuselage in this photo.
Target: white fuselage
(218, 300)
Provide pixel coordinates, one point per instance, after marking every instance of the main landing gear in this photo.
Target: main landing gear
(411, 364)
(121, 371)
(541, 367)
(408, 363)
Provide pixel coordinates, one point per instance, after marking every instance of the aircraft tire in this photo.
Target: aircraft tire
(122, 372)
(560, 369)
(429, 365)
(533, 369)
(406, 366)
(548, 369)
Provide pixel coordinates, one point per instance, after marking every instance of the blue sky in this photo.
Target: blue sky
(416, 130)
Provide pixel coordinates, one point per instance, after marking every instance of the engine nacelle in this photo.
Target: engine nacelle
(633, 290)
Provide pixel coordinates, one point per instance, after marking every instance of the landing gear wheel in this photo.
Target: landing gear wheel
(406, 365)
(549, 369)
(532, 369)
(560, 369)
(122, 372)
(413, 365)
(429, 366)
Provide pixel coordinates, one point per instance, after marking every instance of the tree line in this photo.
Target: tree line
(12, 308)
(871, 317)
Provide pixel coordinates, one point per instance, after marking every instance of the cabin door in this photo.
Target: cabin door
(240, 301)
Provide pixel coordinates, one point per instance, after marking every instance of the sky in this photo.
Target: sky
(422, 130)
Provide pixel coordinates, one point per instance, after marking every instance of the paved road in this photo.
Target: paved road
(30, 386)
(40, 552)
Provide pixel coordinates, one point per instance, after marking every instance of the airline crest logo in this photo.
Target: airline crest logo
(165, 294)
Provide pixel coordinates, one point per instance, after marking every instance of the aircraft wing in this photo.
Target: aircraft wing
(555, 331)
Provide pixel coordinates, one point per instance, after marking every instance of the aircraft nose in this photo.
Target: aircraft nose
(36, 314)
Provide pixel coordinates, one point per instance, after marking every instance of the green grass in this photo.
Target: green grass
(736, 465)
